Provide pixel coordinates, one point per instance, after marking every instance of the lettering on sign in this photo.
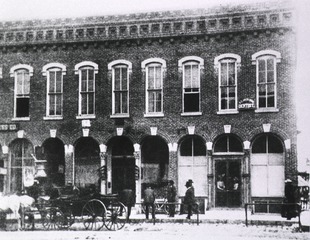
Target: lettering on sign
(246, 104)
(8, 127)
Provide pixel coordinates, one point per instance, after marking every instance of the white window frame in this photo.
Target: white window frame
(111, 68)
(46, 72)
(145, 68)
(13, 74)
(78, 71)
(227, 57)
(265, 54)
(181, 65)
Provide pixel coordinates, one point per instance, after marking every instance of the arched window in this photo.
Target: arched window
(228, 143)
(191, 73)
(21, 74)
(120, 70)
(267, 166)
(266, 79)
(54, 103)
(154, 73)
(87, 73)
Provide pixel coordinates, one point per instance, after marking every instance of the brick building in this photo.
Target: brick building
(135, 100)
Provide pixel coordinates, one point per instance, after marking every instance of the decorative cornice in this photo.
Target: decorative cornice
(169, 24)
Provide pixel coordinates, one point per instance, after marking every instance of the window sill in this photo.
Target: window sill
(53, 118)
(153, 115)
(264, 110)
(120, 115)
(86, 117)
(21, 119)
(191, 114)
(228, 112)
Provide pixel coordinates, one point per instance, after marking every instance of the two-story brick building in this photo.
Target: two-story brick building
(131, 100)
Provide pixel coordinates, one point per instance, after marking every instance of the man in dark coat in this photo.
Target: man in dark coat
(189, 198)
(149, 199)
(128, 198)
(289, 191)
(171, 197)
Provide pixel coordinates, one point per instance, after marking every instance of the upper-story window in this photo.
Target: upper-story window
(154, 69)
(21, 74)
(266, 79)
(191, 73)
(120, 70)
(54, 73)
(87, 73)
(227, 65)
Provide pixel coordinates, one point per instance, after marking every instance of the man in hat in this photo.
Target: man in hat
(289, 191)
(189, 198)
(171, 197)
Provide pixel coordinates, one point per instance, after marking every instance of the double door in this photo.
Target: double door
(123, 174)
(228, 183)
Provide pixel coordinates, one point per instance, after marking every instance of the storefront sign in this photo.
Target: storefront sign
(8, 127)
(246, 104)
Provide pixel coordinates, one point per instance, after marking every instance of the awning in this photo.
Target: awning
(302, 182)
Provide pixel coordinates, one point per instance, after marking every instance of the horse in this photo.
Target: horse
(14, 205)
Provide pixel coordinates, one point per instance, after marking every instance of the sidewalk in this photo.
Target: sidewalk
(220, 216)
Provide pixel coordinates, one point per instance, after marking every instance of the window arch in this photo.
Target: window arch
(120, 71)
(267, 166)
(193, 146)
(191, 68)
(266, 79)
(21, 74)
(87, 74)
(227, 66)
(154, 69)
(54, 92)
(228, 143)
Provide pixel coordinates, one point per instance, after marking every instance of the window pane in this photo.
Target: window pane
(52, 79)
(90, 103)
(270, 96)
(22, 107)
(187, 76)
(224, 103)
(259, 145)
(232, 96)
(84, 85)
(52, 105)
(274, 145)
(151, 72)
(186, 147)
(158, 102)
(117, 103)
(235, 145)
(199, 147)
(58, 105)
(26, 83)
(221, 145)
(224, 74)
(124, 78)
(84, 74)
(117, 79)
(91, 80)
(84, 103)
(124, 102)
(195, 76)
(270, 64)
(58, 82)
(158, 77)
(231, 73)
(261, 71)
(191, 102)
(270, 76)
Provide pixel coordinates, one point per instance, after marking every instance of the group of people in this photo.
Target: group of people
(127, 197)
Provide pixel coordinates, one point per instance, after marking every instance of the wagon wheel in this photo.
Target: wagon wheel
(93, 214)
(116, 216)
(53, 219)
(29, 223)
(68, 220)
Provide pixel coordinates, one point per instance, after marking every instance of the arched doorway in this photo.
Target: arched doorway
(21, 165)
(87, 163)
(228, 153)
(267, 167)
(53, 151)
(123, 164)
(155, 161)
(192, 164)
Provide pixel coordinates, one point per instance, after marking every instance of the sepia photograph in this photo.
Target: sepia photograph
(154, 119)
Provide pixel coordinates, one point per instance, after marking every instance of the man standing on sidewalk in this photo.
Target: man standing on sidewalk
(171, 197)
(149, 199)
(189, 198)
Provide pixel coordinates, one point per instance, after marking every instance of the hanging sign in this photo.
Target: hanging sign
(246, 104)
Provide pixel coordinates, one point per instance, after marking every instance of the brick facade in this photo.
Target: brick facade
(171, 36)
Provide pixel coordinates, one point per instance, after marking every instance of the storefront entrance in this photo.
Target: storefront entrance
(123, 173)
(228, 190)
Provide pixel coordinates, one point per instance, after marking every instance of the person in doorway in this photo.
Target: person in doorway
(149, 199)
(189, 198)
(128, 198)
(171, 197)
(290, 199)
(220, 182)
